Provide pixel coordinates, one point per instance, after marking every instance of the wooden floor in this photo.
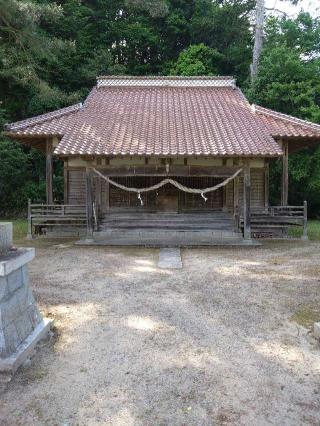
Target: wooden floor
(167, 229)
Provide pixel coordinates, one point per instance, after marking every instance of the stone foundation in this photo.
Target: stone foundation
(21, 324)
(19, 313)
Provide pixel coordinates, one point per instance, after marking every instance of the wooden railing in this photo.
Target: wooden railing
(279, 217)
(47, 216)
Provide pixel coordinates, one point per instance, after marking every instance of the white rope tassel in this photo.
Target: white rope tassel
(205, 198)
(139, 196)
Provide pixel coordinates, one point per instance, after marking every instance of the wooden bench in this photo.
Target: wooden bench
(48, 216)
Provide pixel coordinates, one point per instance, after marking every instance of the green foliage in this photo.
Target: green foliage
(22, 177)
(51, 53)
(18, 179)
(198, 60)
(226, 27)
(289, 81)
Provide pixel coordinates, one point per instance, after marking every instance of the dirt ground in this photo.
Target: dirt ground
(216, 343)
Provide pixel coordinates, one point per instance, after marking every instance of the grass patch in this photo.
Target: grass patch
(20, 228)
(313, 230)
(307, 316)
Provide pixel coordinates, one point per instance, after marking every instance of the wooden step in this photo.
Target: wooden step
(163, 238)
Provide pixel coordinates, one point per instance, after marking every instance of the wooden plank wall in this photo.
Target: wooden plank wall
(77, 191)
(190, 201)
(257, 188)
(187, 201)
(76, 186)
(229, 196)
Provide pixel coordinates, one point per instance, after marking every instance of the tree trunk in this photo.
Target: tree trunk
(258, 38)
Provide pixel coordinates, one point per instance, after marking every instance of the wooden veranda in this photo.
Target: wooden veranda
(204, 223)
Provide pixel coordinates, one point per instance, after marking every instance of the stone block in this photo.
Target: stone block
(9, 310)
(34, 315)
(16, 260)
(25, 274)
(3, 288)
(12, 340)
(10, 364)
(15, 280)
(23, 326)
(30, 298)
(22, 296)
(316, 330)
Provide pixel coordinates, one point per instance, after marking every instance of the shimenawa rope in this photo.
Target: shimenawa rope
(172, 182)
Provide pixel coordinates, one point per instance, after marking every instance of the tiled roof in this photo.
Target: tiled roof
(165, 116)
(51, 123)
(286, 126)
(167, 121)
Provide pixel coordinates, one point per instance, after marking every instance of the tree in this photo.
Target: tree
(25, 51)
(288, 80)
(198, 60)
(258, 38)
(226, 27)
(51, 53)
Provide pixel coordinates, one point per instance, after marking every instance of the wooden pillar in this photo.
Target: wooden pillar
(305, 221)
(89, 201)
(285, 175)
(266, 186)
(29, 234)
(98, 197)
(65, 182)
(224, 199)
(236, 212)
(246, 201)
(49, 171)
(107, 195)
(236, 192)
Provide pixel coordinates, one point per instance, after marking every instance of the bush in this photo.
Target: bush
(22, 176)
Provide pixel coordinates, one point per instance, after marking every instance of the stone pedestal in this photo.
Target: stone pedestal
(21, 324)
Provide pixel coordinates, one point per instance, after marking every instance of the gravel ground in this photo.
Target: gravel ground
(211, 344)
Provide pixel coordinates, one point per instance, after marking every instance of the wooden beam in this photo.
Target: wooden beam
(285, 175)
(175, 170)
(246, 201)
(89, 201)
(49, 171)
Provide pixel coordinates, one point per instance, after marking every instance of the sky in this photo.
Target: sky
(311, 6)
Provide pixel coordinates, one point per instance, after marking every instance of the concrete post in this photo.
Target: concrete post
(5, 237)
